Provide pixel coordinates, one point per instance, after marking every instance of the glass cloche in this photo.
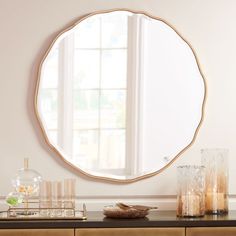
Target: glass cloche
(26, 182)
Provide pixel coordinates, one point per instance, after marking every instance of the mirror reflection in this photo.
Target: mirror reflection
(119, 95)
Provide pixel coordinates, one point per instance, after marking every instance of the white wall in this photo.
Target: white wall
(26, 29)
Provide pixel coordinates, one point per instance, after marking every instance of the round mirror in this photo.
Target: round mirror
(120, 95)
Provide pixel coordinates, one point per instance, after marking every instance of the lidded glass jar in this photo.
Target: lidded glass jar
(191, 191)
(27, 181)
(216, 163)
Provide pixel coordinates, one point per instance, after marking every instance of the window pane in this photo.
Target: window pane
(48, 107)
(112, 149)
(86, 69)
(87, 33)
(86, 109)
(50, 70)
(85, 148)
(114, 69)
(114, 30)
(113, 108)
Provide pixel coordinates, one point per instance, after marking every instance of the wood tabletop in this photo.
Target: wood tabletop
(97, 220)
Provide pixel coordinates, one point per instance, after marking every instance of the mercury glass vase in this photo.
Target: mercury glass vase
(191, 191)
(216, 163)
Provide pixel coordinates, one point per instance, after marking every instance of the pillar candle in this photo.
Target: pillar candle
(190, 205)
(215, 201)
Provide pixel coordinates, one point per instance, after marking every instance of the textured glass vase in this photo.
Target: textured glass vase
(216, 163)
(191, 191)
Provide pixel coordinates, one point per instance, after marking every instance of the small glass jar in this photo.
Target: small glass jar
(13, 199)
(216, 163)
(26, 183)
(191, 191)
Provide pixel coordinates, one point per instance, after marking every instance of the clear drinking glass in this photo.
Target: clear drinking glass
(69, 197)
(216, 163)
(56, 198)
(45, 198)
(191, 191)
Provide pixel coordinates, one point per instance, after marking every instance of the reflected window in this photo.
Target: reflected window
(91, 114)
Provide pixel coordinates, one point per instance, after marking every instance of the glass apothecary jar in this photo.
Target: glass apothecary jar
(191, 191)
(216, 163)
(27, 181)
(26, 184)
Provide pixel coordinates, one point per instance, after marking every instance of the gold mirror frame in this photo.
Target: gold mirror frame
(59, 154)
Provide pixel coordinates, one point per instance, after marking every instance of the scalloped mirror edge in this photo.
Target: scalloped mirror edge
(58, 153)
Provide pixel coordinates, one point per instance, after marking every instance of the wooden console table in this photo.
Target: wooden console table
(159, 223)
